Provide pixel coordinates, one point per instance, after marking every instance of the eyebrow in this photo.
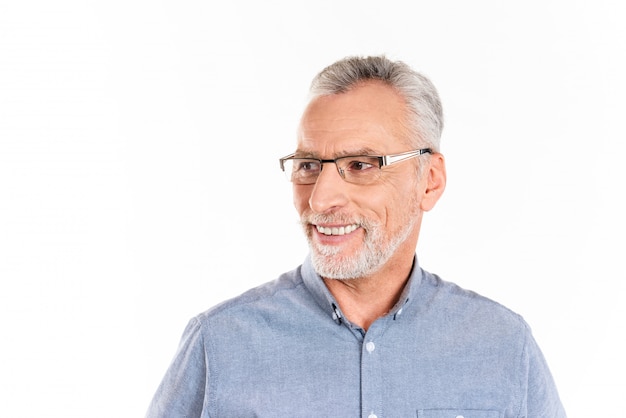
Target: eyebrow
(349, 153)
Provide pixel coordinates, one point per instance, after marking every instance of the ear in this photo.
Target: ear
(435, 179)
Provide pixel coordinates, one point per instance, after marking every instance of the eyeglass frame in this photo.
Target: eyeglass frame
(383, 161)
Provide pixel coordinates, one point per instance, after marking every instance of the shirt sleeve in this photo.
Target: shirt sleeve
(542, 396)
(181, 392)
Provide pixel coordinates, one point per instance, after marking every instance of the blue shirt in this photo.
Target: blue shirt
(284, 349)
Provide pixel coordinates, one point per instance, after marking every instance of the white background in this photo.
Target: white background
(139, 182)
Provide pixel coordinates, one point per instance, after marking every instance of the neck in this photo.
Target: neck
(363, 300)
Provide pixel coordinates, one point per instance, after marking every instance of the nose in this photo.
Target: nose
(329, 191)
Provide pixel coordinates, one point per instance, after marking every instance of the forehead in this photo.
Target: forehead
(370, 117)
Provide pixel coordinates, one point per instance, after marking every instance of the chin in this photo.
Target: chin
(331, 264)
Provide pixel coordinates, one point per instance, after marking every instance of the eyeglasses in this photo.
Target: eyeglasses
(357, 169)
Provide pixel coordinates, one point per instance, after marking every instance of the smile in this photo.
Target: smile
(341, 230)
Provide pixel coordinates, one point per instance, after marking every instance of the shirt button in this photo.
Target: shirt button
(459, 416)
(370, 346)
(372, 415)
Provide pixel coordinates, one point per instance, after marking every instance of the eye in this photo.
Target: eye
(361, 164)
(306, 166)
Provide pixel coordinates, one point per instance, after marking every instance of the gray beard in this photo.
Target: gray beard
(330, 264)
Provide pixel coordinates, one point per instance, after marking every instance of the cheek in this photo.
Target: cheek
(400, 203)
(374, 205)
(301, 195)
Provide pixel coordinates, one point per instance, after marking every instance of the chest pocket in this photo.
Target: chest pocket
(457, 413)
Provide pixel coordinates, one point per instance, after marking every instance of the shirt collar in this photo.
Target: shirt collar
(325, 299)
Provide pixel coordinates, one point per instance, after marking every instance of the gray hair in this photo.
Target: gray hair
(425, 113)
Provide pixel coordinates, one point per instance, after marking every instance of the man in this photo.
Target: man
(359, 329)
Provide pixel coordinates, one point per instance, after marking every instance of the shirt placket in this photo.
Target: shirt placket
(371, 372)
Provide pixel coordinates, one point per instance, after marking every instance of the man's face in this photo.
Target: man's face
(353, 230)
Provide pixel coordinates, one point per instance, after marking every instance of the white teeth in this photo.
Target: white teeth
(342, 230)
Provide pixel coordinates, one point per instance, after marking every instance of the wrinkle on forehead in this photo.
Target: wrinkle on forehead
(354, 152)
(370, 119)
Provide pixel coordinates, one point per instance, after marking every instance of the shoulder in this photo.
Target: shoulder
(286, 288)
(454, 302)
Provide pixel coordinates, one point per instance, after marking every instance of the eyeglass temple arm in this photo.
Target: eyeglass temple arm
(390, 159)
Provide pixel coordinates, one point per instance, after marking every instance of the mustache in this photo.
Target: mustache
(338, 219)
